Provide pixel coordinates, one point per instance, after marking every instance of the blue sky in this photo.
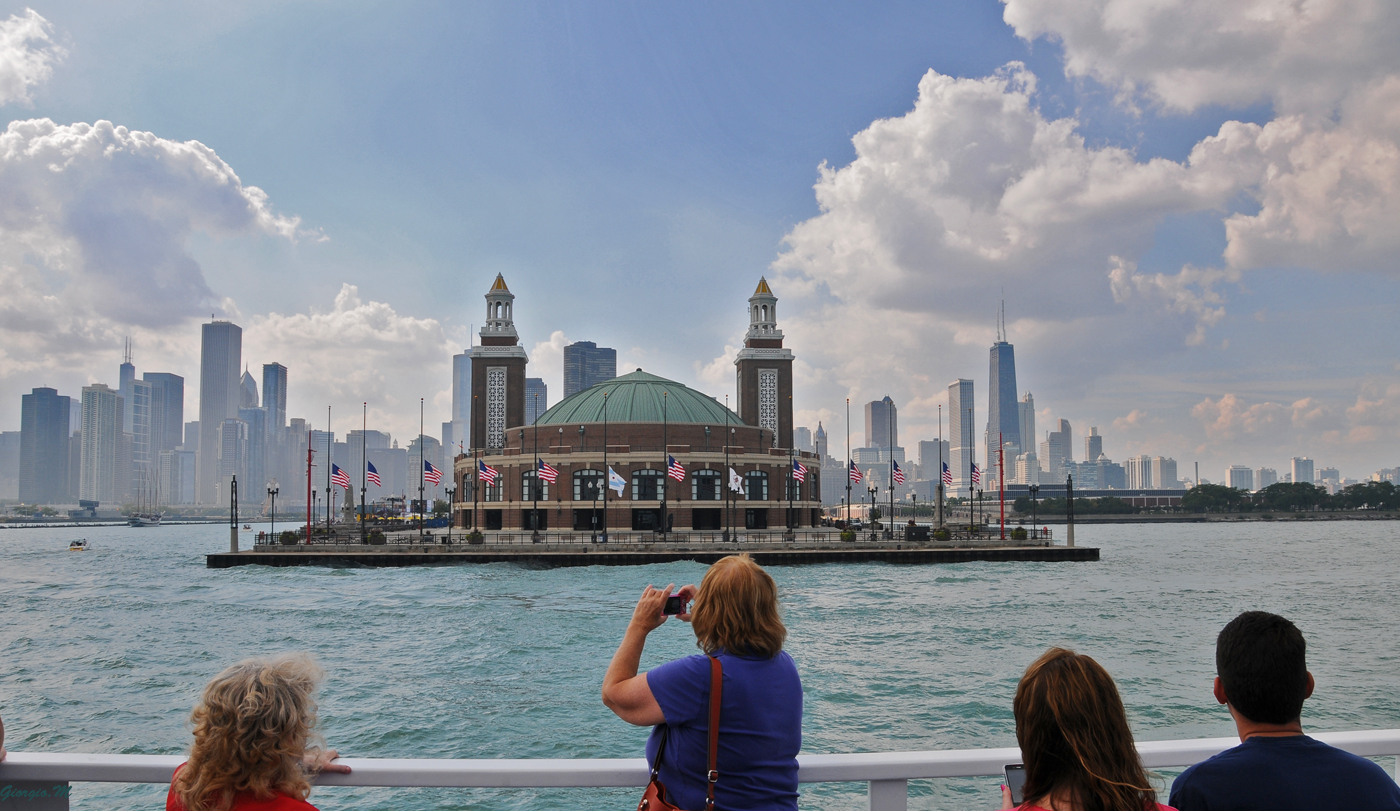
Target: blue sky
(633, 169)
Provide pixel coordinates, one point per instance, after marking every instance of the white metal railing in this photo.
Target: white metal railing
(887, 773)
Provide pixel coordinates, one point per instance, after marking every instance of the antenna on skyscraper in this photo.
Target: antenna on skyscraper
(126, 350)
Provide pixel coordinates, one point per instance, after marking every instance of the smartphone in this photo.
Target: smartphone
(1016, 781)
(675, 604)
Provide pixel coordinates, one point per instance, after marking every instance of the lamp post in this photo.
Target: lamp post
(272, 494)
(451, 513)
(315, 509)
(1035, 488)
(873, 490)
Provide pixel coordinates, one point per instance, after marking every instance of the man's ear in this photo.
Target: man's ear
(1311, 685)
(1220, 690)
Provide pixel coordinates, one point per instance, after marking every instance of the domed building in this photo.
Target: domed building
(683, 461)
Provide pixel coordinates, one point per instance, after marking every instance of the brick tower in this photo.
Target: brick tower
(764, 371)
(498, 373)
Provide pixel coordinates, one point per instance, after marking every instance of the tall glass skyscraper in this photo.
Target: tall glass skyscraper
(586, 365)
(43, 450)
(221, 353)
(881, 424)
(963, 448)
(1003, 413)
(274, 397)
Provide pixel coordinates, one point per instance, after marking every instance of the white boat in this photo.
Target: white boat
(79, 545)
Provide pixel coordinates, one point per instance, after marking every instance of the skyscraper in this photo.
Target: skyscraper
(274, 398)
(1055, 451)
(167, 411)
(1302, 469)
(1093, 446)
(802, 439)
(1241, 477)
(43, 451)
(536, 398)
(221, 353)
(1003, 412)
(253, 484)
(102, 430)
(1025, 410)
(881, 424)
(962, 440)
(247, 391)
(586, 365)
(1265, 476)
(137, 406)
(1164, 473)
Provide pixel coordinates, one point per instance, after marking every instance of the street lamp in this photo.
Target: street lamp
(873, 490)
(315, 510)
(1035, 488)
(451, 513)
(272, 493)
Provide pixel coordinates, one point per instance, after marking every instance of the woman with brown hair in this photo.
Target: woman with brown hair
(1074, 737)
(735, 618)
(253, 740)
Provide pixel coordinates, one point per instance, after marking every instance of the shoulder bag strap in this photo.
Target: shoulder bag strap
(716, 687)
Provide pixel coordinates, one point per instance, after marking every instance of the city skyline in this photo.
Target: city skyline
(1181, 318)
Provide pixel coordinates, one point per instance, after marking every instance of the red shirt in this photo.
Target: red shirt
(244, 802)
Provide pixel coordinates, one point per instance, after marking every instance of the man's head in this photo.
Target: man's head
(1262, 664)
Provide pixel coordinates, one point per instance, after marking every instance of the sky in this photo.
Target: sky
(1189, 207)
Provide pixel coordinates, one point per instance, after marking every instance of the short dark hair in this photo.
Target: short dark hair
(1261, 659)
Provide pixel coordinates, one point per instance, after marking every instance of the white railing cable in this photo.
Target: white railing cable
(886, 771)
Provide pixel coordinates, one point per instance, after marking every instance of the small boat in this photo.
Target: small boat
(79, 545)
(144, 520)
(247, 528)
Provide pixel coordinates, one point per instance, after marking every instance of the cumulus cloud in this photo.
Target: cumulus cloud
(1184, 54)
(27, 55)
(356, 351)
(1192, 291)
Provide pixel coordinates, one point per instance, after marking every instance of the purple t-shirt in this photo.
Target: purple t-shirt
(760, 731)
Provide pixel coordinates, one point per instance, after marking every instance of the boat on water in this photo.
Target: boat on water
(80, 545)
(147, 496)
(247, 528)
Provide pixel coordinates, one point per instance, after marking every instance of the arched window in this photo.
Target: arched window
(756, 485)
(647, 485)
(764, 311)
(532, 487)
(493, 492)
(755, 312)
(588, 485)
(704, 485)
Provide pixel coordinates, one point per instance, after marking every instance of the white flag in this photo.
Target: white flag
(736, 483)
(616, 482)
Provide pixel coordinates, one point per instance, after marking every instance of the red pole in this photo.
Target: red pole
(1001, 476)
(309, 452)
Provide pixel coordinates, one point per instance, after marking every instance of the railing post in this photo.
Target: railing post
(889, 795)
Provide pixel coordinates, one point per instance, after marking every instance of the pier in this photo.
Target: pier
(634, 549)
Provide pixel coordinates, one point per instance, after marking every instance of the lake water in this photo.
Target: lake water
(107, 651)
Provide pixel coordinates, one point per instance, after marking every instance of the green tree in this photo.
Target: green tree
(1368, 496)
(1290, 496)
(1213, 498)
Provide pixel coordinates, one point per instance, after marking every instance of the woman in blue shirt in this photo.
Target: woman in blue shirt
(734, 614)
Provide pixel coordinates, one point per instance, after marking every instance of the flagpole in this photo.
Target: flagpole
(889, 423)
(727, 516)
(939, 486)
(971, 462)
(665, 462)
(1001, 477)
(422, 457)
(607, 471)
(330, 458)
(476, 465)
(364, 465)
(848, 460)
(535, 512)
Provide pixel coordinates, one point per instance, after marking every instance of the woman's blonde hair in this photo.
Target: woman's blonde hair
(252, 728)
(736, 610)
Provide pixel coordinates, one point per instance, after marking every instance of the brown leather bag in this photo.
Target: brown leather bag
(654, 798)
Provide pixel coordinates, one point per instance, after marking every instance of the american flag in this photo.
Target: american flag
(898, 474)
(547, 472)
(799, 471)
(340, 477)
(485, 472)
(373, 475)
(674, 469)
(431, 475)
(976, 474)
(855, 472)
(947, 476)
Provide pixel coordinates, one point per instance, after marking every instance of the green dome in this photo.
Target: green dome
(637, 397)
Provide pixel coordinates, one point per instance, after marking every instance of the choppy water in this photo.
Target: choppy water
(106, 651)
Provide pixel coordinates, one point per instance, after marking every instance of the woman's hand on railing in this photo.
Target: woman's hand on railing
(319, 760)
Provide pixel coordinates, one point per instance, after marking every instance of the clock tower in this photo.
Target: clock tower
(498, 373)
(764, 371)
